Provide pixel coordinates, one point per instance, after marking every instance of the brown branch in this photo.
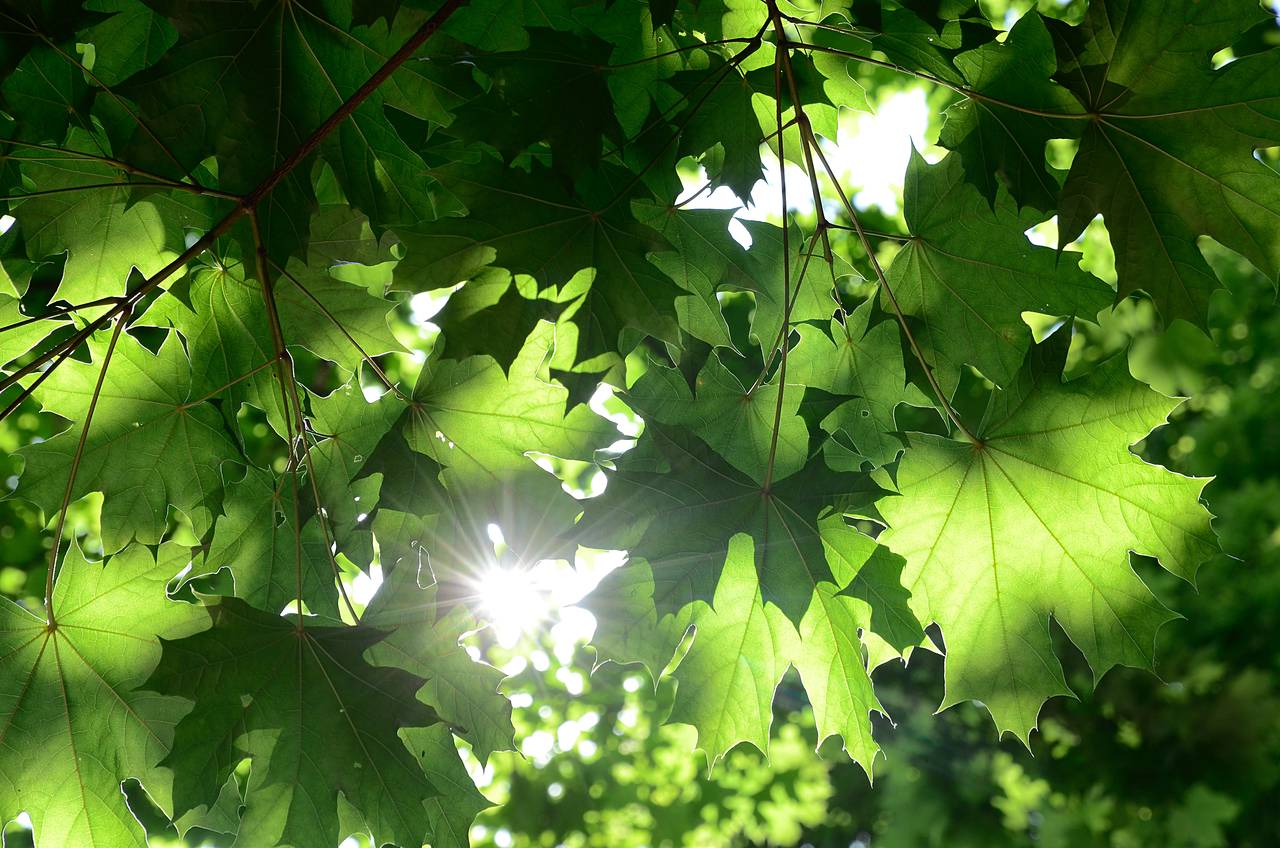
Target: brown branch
(361, 94)
(232, 382)
(58, 312)
(786, 251)
(165, 184)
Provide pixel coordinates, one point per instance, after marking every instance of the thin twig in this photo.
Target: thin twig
(786, 252)
(937, 80)
(58, 312)
(723, 72)
(871, 233)
(232, 382)
(75, 469)
(675, 52)
(893, 302)
(67, 153)
(289, 384)
(166, 184)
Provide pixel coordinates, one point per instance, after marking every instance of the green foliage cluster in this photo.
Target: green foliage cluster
(216, 206)
(1187, 758)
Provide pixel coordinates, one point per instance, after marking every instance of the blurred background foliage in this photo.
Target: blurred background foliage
(1186, 759)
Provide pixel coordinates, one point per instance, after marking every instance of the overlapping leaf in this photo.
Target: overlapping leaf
(248, 85)
(677, 505)
(527, 224)
(1166, 140)
(742, 643)
(313, 716)
(153, 442)
(969, 273)
(530, 159)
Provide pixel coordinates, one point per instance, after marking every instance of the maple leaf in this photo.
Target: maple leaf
(1166, 141)
(258, 539)
(969, 273)
(742, 646)
(23, 331)
(675, 504)
(314, 717)
(424, 640)
(73, 724)
(1170, 157)
(152, 442)
(527, 224)
(736, 423)
(1003, 131)
(1038, 521)
(479, 425)
(88, 210)
(248, 85)
(864, 364)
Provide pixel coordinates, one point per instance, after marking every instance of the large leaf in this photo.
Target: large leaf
(865, 365)
(312, 715)
(677, 505)
(527, 224)
(480, 425)
(424, 639)
(249, 84)
(742, 646)
(1003, 132)
(153, 443)
(1170, 155)
(73, 725)
(88, 210)
(735, 422)
(1038, 521)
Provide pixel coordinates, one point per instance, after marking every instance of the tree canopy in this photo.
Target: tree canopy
(848, 436)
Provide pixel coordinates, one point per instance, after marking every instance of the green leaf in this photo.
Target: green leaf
(259, 541)
(248, 85)
(1170, 156)
(720, 113)
(313, 716)
(528, 225)
(132, 38)
(995, 139)
(742, 646)
(555, 90)
(736, 423)
(424, 640)
(19, 340)
(675, 504)
(1037, 521)
(864, 365)
(74, 723)
(491, 315)
(153, 443)
(49, 94)
(451, 812)
(106, 232)
(968, 273)
(499, 25)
